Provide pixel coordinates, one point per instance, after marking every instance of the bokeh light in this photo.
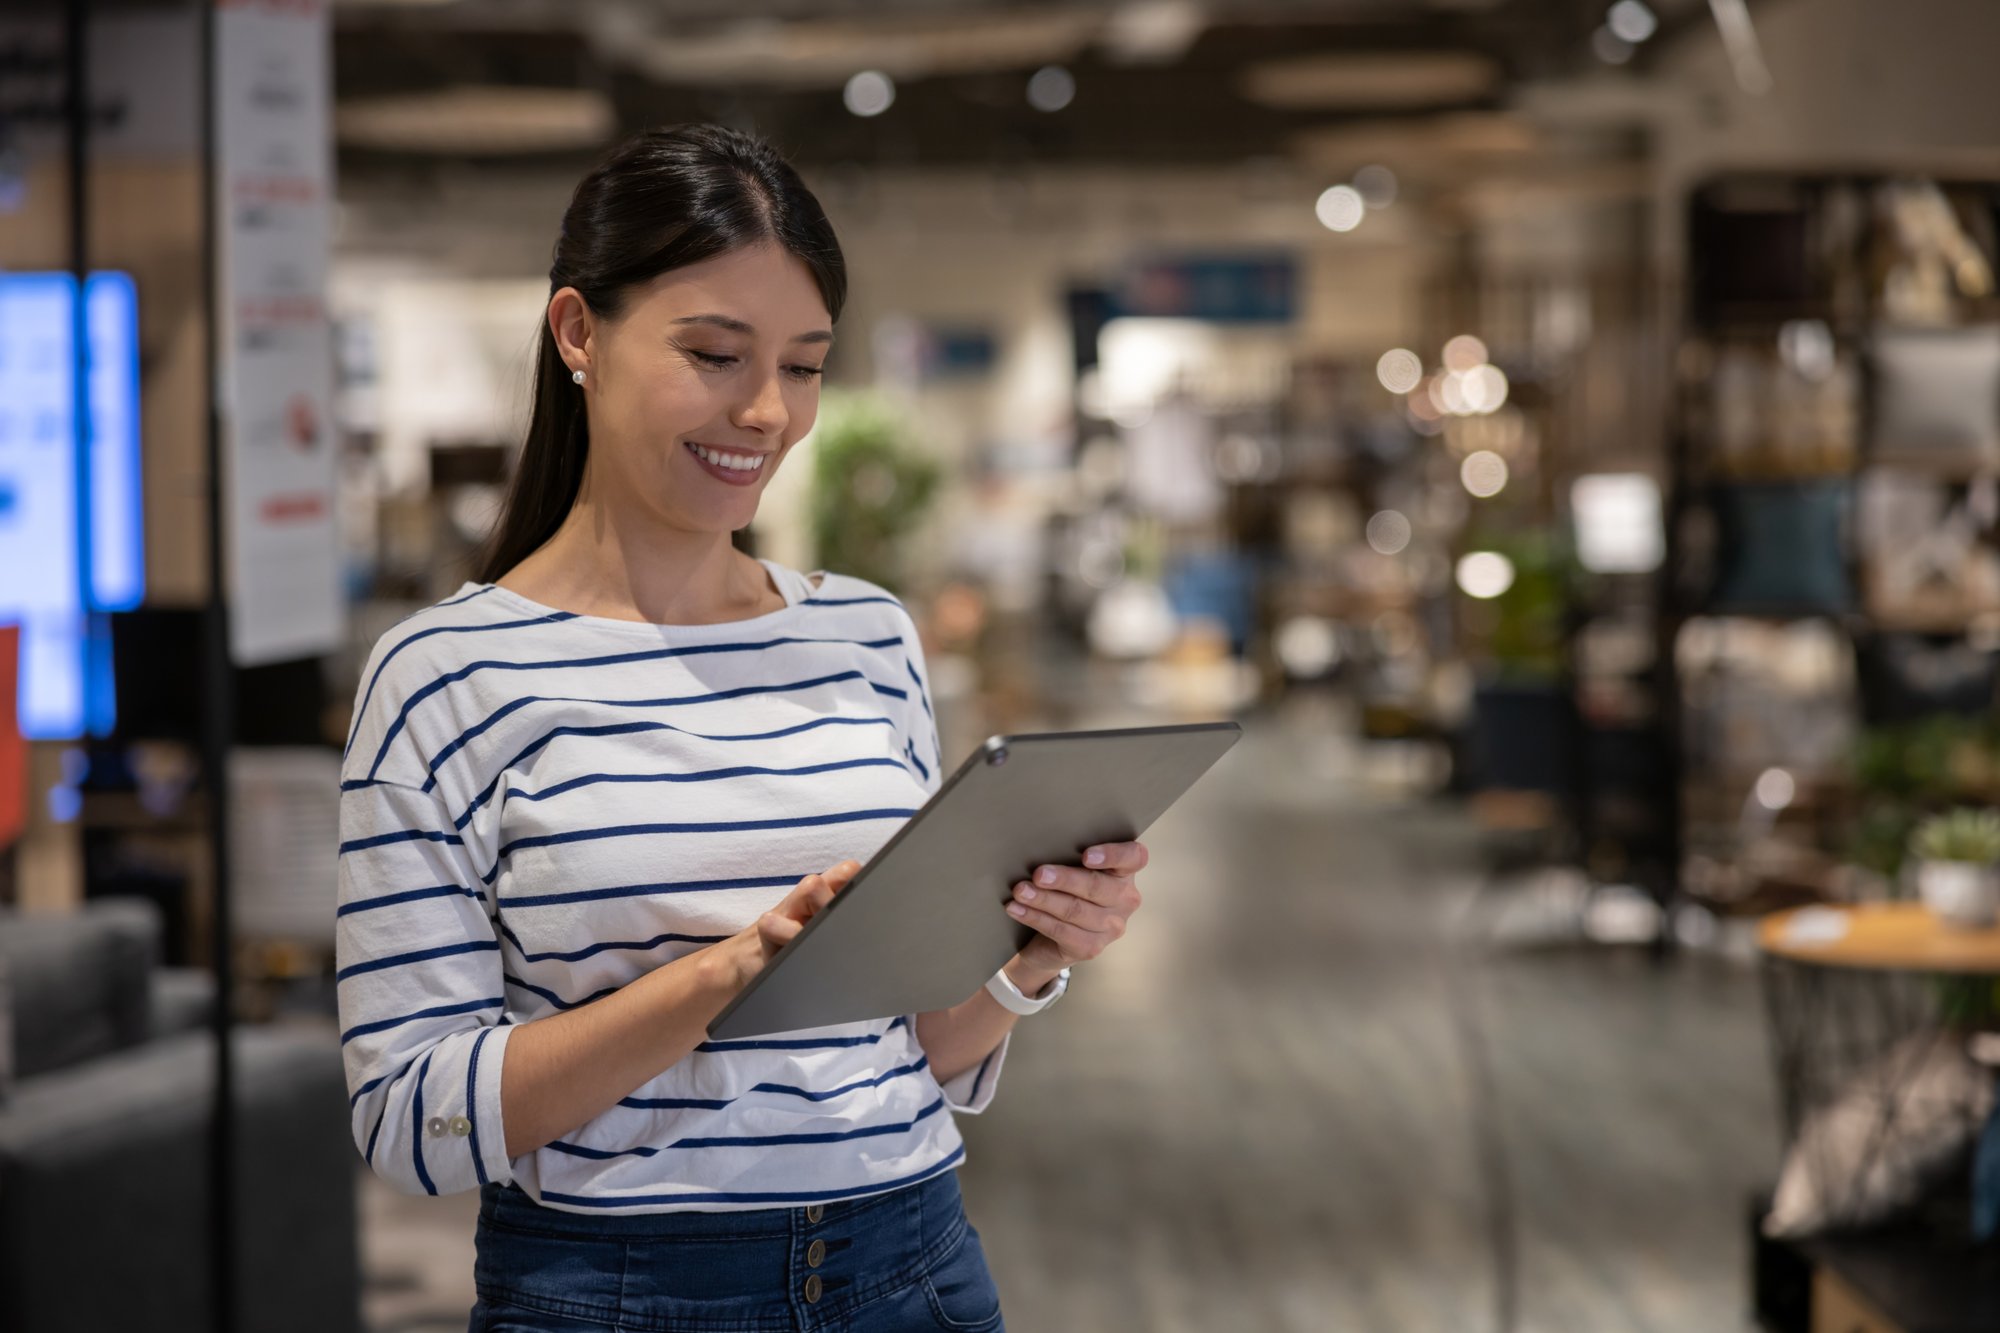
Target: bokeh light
(1340, 208)
(1399, 370)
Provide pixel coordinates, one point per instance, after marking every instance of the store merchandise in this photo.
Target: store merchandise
(1925, 549)
(1782, 547)
(1784, 408)
(1936, 398)
(1876, 1147)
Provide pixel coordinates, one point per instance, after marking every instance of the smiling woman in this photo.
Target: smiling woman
(580, 796)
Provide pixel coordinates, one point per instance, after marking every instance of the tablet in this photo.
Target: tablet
(923, 924)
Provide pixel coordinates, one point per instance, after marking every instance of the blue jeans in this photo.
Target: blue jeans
(897, 1262)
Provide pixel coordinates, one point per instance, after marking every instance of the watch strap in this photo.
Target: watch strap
(1002, 988)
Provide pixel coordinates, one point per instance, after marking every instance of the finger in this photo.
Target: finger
(1107, 890)
(1074, 941)
(1119, 858)
(777, 929)
(1067, 907)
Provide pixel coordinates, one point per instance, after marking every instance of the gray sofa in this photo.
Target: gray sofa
(104, 1134)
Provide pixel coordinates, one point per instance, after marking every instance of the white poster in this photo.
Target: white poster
(274, 181)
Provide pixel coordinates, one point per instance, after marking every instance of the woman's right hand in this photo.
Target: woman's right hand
(750, 950)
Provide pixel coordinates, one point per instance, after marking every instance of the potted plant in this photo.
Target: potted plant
(1956, 873)
(871, 486)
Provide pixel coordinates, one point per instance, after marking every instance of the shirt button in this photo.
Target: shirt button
(436, 1126)
(460, 1126)
(816, 1252)
(812, 1287)
(814, 1212)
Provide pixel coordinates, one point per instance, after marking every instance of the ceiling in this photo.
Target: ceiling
(1156, 82)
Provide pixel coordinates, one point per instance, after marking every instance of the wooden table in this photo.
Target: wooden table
(1845, 985)
(1897, 937)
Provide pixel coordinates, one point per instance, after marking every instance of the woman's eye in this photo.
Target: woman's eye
(801, 373)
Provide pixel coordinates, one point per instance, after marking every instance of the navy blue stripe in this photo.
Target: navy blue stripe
(407, 896)
(708, 775)
(754, 1196)
(641, 890)
(711, 826)
(923, 695)
(361, 713)
(754, 1140)
(717, 1104)
(898, 1072)
(381, 1113)
(401, 835)
(432, 764)
(472, 1100)
(612, 659)
(977, 1078)
(421, 955)
(442, 1011)
(627, 728)
(910, 749)
(555, 999)
(849, 601)
(417, 1128)
(578, 955)
(797, 1043)
(377, 1082)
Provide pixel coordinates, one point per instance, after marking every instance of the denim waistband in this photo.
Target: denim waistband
(745, 1271)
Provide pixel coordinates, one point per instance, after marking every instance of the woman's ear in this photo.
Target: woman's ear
(574, 328)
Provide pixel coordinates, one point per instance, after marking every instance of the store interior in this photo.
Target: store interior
(1565, 435)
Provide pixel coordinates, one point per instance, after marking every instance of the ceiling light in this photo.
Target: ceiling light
(1340, 208)
(477, 120)
(1377, 186)
(1378, 79)
(1631, 21)
(1051, 88)
(869, 93)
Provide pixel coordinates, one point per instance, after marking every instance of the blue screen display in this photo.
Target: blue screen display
(71, 536)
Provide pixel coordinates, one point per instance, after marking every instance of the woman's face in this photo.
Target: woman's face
(724, 354)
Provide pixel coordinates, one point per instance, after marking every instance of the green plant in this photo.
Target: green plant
(1964, 834)
(870, 487)
(1524, 638)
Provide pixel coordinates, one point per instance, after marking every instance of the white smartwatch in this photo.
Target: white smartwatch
(1002, 988)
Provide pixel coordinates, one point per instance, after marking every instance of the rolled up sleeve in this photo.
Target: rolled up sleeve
(421, 995)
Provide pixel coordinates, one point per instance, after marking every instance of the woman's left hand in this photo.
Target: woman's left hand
(1078, 910)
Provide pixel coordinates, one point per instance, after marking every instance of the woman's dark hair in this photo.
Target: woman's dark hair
(662, 199)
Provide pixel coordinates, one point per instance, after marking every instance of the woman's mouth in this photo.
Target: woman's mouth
(738, 469)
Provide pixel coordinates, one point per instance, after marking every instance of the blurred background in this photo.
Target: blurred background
(1565, 434)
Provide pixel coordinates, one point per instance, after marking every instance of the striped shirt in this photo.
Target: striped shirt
(539, 807)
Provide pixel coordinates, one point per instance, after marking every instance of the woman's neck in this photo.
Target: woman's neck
(598, 564)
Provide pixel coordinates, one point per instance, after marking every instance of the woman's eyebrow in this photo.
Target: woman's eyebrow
(735, 325)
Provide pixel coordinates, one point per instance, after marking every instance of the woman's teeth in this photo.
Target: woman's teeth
(734, 462)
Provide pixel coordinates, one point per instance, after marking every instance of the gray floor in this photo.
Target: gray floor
(1265, 1108)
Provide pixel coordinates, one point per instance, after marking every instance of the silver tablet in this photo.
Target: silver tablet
(924, 923)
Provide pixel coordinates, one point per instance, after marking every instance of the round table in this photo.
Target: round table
(1900, 937)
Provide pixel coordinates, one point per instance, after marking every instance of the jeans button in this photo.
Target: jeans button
(816, 1252)
(812, 1287)
(814, 1212)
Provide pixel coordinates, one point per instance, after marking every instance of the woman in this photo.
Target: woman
(579, 796)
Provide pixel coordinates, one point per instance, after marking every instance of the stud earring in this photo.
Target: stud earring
(576, 377)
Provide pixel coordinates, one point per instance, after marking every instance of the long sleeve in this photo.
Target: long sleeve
(421, 995)
(971, 1091)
